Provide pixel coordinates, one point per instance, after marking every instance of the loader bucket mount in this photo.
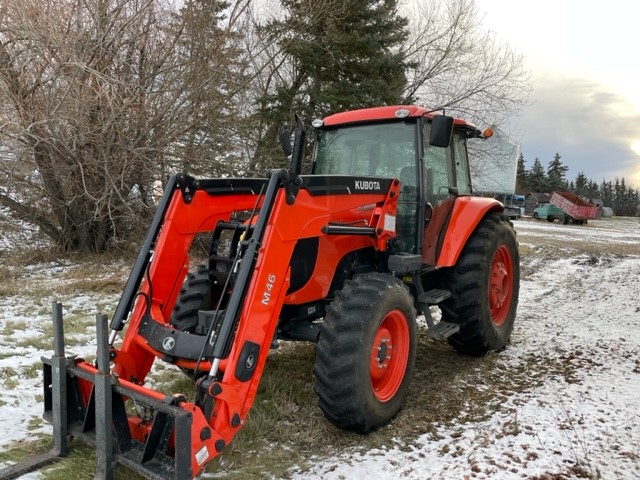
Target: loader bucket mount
(103, 423)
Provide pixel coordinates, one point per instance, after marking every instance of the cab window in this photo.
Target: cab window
(463, 181)
(438, 171)
(381, 149)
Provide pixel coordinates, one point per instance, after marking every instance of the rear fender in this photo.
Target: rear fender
(465, 217)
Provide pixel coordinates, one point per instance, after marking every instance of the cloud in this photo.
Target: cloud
(589, 125)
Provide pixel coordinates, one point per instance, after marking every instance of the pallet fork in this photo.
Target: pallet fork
(105, 416)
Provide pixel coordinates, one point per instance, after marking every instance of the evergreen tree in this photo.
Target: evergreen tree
(626, 199)
(592, 190)
(537, 179)
(634, 203)
(581, 184)
(369, 68)
(213, 71)
(606, 193)
(618, 197)
(346, 55)
(521, 176)
(556, 174)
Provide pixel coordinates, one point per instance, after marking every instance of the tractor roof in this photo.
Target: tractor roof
(385, 113)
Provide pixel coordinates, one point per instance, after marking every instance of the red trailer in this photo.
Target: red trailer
(577, 210)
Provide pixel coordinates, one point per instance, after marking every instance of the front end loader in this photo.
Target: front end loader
(384, 228)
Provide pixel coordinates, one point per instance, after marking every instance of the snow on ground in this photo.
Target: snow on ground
(24, 338)
(576, 341)
(582, 312)
(15, 233)
(622, 231)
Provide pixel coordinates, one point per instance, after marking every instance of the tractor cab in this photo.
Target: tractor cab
(427, 152)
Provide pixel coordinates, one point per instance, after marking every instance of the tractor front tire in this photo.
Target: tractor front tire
(194, 295)
(484, 286)
(366, 352)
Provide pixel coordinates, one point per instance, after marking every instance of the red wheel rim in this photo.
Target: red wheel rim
(500, 286)
(389, 354)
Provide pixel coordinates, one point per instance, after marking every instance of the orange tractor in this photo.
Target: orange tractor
(383, 228)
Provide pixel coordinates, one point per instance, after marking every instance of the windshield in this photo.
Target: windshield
(381, 149)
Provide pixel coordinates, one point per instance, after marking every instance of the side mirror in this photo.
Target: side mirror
(285, 141)
(298, 146)
(441, 131)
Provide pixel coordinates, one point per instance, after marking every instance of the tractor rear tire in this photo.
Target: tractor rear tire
(194, 295)
(366, 352)
(484, 286)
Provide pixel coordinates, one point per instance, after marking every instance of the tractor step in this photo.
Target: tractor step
(434, 297)
(404, 263)
(443, 330)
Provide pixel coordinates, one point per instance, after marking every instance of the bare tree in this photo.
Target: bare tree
(460, 66)
(98, 101)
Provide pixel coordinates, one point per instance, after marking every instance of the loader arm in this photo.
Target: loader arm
(288, 209)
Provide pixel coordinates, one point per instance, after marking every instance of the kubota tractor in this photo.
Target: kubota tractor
(384, 227)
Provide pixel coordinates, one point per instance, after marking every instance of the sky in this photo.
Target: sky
(584, 60)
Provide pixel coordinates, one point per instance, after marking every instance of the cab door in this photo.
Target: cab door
(446, 176)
